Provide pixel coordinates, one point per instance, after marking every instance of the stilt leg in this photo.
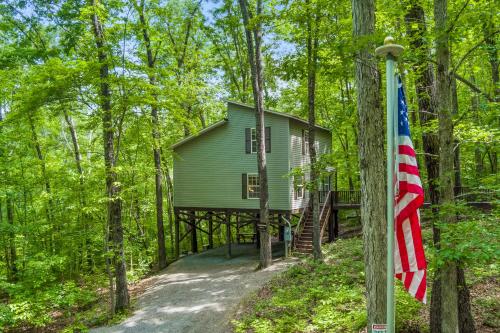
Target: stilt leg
(177, 236)
(210, 231)
(228, 235)
(194, 239)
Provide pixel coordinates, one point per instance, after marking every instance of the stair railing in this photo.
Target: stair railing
(299, 226)
(323, 216)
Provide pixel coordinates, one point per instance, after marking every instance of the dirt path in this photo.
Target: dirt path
(198, 293)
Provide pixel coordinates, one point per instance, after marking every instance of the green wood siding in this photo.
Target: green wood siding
(208, 169)
(297, 159)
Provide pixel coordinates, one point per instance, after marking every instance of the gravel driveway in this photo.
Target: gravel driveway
(199, 293)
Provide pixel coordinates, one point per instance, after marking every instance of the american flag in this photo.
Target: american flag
(409, 258)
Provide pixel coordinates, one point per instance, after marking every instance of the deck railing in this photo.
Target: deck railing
(467, 194)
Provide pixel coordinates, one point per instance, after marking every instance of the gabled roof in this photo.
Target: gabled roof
(282, 114)
(225, 120)
(203, 131)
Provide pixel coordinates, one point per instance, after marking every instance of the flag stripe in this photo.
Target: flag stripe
(406, 150)
(409, 258)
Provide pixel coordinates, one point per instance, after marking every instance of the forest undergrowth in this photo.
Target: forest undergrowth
(329, 296)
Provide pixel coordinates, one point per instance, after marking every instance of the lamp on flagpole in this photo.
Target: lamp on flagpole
(391, 51)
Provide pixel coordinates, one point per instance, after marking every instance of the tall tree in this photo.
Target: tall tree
(371, 159)
(448, 272)
(313, 22)
(253, 34)
(112, 185)
(151, 60)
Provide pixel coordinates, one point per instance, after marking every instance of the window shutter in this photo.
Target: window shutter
(248, 141)
(244, 190)
(303, 142)
(268, 139)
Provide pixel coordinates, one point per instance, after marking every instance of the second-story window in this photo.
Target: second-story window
(305, 142)
(253, 141)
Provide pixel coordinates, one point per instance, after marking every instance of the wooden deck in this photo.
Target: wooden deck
(481, 198)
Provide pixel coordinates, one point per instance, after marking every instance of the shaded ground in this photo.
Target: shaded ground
(199, 293)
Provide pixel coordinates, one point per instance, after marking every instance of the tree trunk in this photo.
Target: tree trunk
(170, 201)
(371, 159)
(448, 272)
(312, 60)
(162, 252)
(491, 42)
(112, 185)
(41, 158)
(255, 61)
(424, 81)
(87, 258)
(12, 242)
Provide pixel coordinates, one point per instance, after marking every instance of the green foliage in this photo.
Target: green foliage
(472, 242)
(321, 297)
(35, 306)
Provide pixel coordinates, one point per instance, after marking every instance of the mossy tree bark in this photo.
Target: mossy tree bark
(253, 34)
(448, 272)
(312, 62)
(151, 62)
(371, 159)
(112, 185)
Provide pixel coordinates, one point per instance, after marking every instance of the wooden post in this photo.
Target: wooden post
(238, 227)
(194, 239)
(257, 231)
(228, 235)
(177, 236)
(336, 224)
(281, 231)
(331, 231)
(210, 231)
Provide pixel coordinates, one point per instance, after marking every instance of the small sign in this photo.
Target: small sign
(379, 328)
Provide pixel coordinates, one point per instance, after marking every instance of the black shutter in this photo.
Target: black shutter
(268, 139)
(244, 186)
(248, 140)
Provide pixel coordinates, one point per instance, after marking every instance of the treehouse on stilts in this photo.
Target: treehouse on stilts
(216, 185)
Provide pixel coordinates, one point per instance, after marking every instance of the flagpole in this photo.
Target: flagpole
(391, 51)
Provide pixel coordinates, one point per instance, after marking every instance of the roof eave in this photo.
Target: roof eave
(200, 133)
(286, 115)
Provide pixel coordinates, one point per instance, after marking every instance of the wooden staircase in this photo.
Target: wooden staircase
(303, 237)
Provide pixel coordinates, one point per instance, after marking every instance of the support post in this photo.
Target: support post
(228, 235)
(238, 227)
(281, 230)
(177, 236)
(331, 228)
(194, 239)
(336, 224)
(210, 231)
(257, 231)
(390, 51)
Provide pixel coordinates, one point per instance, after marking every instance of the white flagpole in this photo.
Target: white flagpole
(390, 51)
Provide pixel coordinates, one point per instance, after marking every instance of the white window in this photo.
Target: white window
(305, 148)
(298, 185)
(253, 186)
(253, 141)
